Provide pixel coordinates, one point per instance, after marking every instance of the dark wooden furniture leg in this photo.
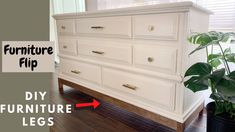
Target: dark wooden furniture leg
(180, 127)
(201, 112)
(195, 114)
(60, 84)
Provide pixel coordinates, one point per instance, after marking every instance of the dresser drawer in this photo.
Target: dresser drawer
(116, 53)
(66, 26)
(159, 26)
(159, 58)
(105, 26)
(81, 70)
(68, 46)
(145, 89)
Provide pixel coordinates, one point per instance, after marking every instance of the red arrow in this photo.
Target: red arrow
(95, 104)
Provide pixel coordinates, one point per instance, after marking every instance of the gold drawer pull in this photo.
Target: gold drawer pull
(97, 27)
(150, 59)
(63, 27)
(129, 86)
(151, 28)
(98, 52)
(75, 71)
(65, 46)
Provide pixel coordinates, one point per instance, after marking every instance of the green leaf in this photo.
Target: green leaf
(206, 39)
(227, 51)
(200, 73)
(219, 109)
(234, 106)
(226, 36)
(204, 46)
(200, 38)
(213, 56)
(196, 83)
(217, 75)
(214, 60)
(214, 35)
(199, 69)
(215, 63)
(230, 57)
(226, 86)
(203, 39)
(232, 75)
(193, 37)
(215, 96)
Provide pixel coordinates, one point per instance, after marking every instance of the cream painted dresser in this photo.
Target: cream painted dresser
(134, 58)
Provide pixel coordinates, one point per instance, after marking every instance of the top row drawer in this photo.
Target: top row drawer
(157, 26)
(105, 26)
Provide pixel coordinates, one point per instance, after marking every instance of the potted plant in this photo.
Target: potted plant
(216, 75)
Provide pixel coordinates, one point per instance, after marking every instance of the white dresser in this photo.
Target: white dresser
(134, 57)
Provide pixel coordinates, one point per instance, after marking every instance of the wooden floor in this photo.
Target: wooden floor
(106, 118)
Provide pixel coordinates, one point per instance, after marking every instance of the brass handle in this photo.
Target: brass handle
(63, 27)
(150, 59)
(65, 46)
(97, 27)
(151, 28)
(98, 52)
(75, 71)
(129, 86)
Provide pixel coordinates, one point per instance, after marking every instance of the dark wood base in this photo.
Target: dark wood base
(179, 127)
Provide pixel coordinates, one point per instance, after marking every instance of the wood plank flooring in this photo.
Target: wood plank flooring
(106, 118)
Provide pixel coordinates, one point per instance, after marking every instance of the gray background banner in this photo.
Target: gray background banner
(23, 20)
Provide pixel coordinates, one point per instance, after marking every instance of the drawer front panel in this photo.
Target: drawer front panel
(68, 46)
(157, 58)
(66, 26)
(81, 70)
(106, 26)
(117, 53)
(148, 90)
(159, 26)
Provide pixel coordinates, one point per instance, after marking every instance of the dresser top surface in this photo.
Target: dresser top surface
(148, 9)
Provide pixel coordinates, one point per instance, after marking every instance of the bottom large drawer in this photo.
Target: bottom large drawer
(146, 89)
(81, 70)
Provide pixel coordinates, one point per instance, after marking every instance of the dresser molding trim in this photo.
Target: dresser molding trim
(139, 10)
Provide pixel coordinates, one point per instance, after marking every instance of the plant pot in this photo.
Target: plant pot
(218, 123)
